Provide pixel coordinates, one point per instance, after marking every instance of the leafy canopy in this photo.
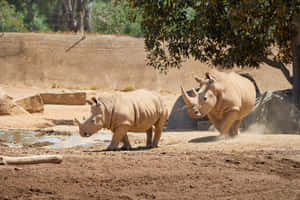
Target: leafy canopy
(115, 17)
(225, 32)
(10, 19)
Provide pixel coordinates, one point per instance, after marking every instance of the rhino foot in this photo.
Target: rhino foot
(153, 146)
(126, 148)
(112, 148)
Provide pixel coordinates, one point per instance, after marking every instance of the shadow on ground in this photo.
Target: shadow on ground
(205, 139)
(120, 149)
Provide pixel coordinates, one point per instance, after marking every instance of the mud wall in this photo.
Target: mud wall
(103, 61)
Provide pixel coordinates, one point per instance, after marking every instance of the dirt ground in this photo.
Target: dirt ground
(187, 165)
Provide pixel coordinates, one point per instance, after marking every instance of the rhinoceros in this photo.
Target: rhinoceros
(226, 98)
(121, 112)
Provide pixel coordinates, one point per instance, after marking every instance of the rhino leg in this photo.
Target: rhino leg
(149, 137)
(126, 144)
(234, 131)
(159, 125)
(157, 136)
(119, 134)
(228, 122)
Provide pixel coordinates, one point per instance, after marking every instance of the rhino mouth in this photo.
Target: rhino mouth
(195, 113)
(85, 134)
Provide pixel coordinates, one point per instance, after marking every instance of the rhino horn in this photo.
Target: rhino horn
(186, 97)
(89, 102)
(76, 121)
(198, 79)
(194, 92)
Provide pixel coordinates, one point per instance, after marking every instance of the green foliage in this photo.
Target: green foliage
(115, 18)
(108, 16)
(10, 19)
(40, 20)
(93, 87)
(224, 32)
(128, 88)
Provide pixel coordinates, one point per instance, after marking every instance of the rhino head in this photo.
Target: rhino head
(202, 102)
(95, 122)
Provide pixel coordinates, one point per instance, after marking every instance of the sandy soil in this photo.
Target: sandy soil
(187, 165)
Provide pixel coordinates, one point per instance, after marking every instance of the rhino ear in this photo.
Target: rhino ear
(76, 121)
(210, 77)
(95, 100)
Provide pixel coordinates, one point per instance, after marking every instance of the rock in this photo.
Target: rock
(31, 104)
(180, 120)
(8, 107)
(66, 98)
(276, 112)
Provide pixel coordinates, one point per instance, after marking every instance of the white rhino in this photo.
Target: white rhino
(121, 112)
(226, 98)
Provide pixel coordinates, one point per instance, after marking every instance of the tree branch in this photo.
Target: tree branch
(278, 65)
(30, 12)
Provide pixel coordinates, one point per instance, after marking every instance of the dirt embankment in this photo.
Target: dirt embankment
(104, 62)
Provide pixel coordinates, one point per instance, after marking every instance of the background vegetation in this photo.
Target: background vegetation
(102, 16)
(227, 33)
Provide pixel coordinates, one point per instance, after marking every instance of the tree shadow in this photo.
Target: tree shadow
(205, 139)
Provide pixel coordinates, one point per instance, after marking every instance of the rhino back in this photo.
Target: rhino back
(139, 109)
(238, 92)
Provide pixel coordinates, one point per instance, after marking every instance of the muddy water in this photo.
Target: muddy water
(25, 138)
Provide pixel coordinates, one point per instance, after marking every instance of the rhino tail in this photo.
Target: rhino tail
(250, 78)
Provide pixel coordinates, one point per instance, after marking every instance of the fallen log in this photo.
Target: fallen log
(7, 160)
(77, 42)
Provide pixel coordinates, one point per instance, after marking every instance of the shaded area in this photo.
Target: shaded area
(62, 121)
(140, 148)
(276, 112)
(205, 139)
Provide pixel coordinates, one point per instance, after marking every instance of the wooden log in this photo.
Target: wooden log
(6, 160)
(76, 43)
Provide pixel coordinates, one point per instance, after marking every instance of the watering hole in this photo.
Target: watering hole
(29, 138)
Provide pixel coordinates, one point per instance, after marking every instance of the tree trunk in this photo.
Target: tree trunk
(70, 11)
(30, 13)
(88, 16)
(59, 15)
(296, 61)
(80, 13)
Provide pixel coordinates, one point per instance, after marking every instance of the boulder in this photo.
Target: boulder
(8, 107)
(276, 112)
(31, 104)
(180, 120)
(66, 98)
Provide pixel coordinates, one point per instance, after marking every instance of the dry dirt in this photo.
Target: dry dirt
(187, 165)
